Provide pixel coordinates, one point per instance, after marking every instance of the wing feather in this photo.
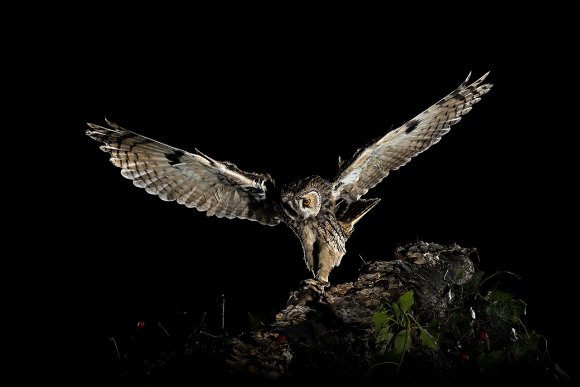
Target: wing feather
(192, 179)
(396, 148)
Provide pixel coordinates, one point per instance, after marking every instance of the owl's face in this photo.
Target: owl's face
(303, 205)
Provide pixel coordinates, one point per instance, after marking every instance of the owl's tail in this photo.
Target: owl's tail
(348, 214)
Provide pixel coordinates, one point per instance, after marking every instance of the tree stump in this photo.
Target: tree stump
(425, 317)
(330, 332)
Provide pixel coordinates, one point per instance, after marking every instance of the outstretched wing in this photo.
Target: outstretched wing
(192, 179)
(372, 164)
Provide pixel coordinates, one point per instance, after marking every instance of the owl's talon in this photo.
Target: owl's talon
(324, 285)
(312, 282)
(311, 290)
(309, 282)
(315, 285)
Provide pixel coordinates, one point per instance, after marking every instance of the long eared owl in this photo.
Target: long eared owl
(322, 213)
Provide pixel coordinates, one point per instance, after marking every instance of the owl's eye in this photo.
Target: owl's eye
(306, 202)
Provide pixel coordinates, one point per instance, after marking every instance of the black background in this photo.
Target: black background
(288, 99)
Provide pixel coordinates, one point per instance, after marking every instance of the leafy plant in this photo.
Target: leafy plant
(397, 330)
(479, 333)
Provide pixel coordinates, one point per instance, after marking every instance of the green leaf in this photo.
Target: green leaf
(475, 281)
(500, 311)
(385, 335)
(527, 348)
(397, 311)
(504, 307)
(427, 340)
(406, 301)
(518, 307)
(380, 320)
(402, 342)
(498, 295)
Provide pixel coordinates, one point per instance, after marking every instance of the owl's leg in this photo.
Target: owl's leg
(325, 265)
(311, 290)
(322, 275)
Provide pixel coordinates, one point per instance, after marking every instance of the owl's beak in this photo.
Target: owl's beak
(288, 207)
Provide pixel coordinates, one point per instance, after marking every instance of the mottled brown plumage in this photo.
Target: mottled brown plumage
(321, 213)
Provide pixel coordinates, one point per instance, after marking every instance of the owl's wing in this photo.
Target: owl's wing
(373, 163)
(192, 179)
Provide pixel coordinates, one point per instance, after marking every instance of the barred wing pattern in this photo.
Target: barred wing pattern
(372, 164)
(192, 179)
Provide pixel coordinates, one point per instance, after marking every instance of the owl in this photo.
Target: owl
(322, 213)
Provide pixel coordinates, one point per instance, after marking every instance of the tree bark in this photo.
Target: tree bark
(329, 332)
(425, 317)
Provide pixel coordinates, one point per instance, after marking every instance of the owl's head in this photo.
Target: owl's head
(303, 205)
(305, 198)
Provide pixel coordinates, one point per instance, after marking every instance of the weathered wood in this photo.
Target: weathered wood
(331, 331)
(456, 327)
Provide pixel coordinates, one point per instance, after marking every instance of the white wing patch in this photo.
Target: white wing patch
(396, 148)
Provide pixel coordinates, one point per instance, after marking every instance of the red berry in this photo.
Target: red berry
(464, 357)
(482, 339)
(281, 339)
(483, 336)
(141, 324)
